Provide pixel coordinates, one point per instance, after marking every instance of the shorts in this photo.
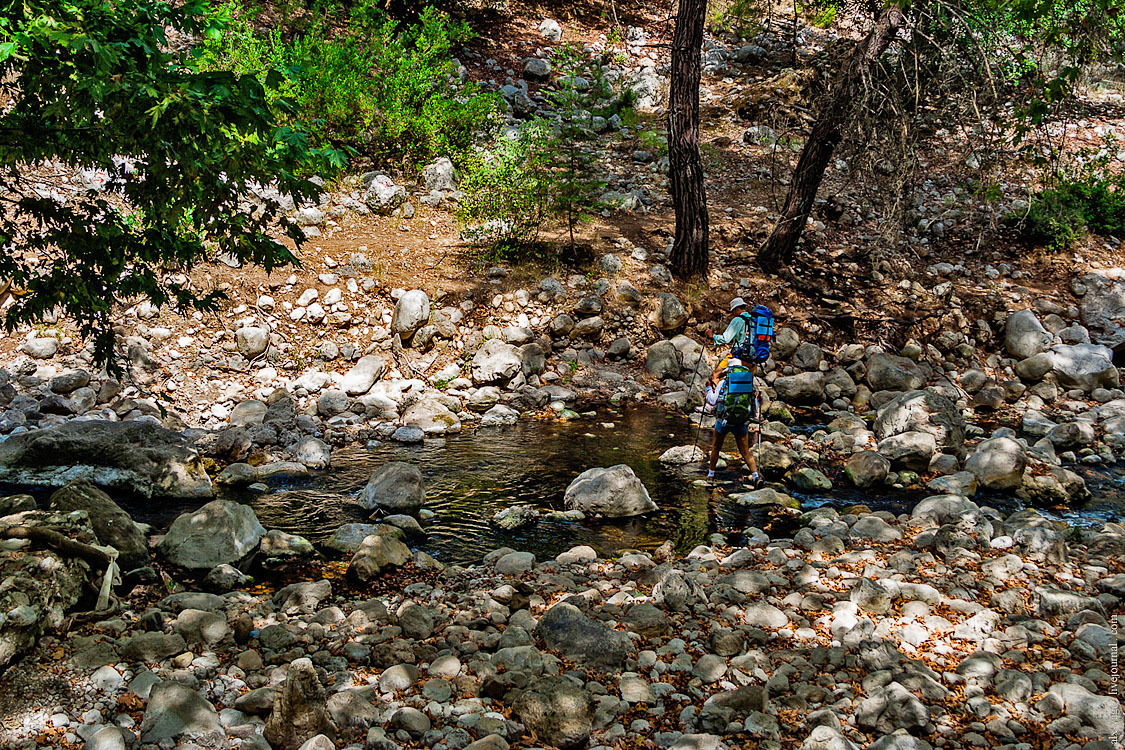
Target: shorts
(738, 430)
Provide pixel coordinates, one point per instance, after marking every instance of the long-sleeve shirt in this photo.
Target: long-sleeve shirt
(734, 332)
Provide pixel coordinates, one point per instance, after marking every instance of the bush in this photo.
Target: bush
(364, 83)
(1086, 199)
(548, 169)
(504, 191)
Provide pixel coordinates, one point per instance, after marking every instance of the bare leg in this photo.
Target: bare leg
(716, 446)
(743, 442)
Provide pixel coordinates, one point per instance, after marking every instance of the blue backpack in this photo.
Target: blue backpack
(755, 345)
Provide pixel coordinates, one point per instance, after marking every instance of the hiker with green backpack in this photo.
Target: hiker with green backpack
(732, 394)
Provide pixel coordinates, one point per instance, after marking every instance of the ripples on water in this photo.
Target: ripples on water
(471, 476)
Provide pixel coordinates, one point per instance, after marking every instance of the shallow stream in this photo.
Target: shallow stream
(471, 476)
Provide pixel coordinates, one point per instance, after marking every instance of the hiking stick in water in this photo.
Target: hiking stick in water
(703, 406)
(695, 373)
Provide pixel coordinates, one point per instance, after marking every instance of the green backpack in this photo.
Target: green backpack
(736, 403)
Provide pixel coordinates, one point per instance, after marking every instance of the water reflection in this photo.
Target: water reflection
(470, 477)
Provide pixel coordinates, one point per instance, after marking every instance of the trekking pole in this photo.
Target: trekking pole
(758, 411)
(695, 371)
(698, 429)
(703, 406)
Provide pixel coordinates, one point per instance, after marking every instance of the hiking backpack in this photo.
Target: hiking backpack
(755, 345)
(736, 402)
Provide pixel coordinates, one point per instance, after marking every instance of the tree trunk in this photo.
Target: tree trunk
(689, 250)
(823, 139)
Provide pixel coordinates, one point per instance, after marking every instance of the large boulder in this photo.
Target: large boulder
(136, 457)
(565, 629)
(662, 360)
(1085, 366)
(312, 453)
(411, 312)
(1034, 368)
(440, 174)
(943, 509)
(808, 356)
(112, 525)
(912, 450)
(37, 596)
(785, 343)
(612, 492)
(376, 553)
(667, 313)
(888, 372)
(1052, 485)
(220, 532)
(299, 709)
(248, 413)
(1024, 335)
(175, 711)
(802, 388)
(867, 469)
(924, 411)
(396, 487)
(1103, 306)
(1102, 713)
(893, 707)
(252, 341)
(358, 380)
(383, 196)
(998, 463)
(495, 362)
(431, 416)
(559, 712)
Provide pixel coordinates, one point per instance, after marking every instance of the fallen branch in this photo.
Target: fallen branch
(60, 542)
(106, 557)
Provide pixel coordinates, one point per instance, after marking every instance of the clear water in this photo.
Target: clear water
(471, 476)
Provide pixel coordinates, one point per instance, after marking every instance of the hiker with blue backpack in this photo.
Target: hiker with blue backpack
(731, 390)
(736, 329)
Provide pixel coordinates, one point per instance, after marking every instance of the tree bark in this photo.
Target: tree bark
(823, 139)
(690, 249)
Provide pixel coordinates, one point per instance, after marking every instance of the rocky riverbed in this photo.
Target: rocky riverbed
(948, 627)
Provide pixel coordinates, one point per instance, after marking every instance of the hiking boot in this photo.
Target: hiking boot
(755, 479)
(710, 475)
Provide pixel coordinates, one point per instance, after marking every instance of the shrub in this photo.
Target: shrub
(549, 168)
(504, 191)
(575, 182)
(1088, 198)
(365, 83)
(1055, 219)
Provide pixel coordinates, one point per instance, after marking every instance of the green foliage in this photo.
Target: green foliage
(87, 80)
(546, 170)
(366, 83)
(655, 141)
(1088, 198)
(739, 17)
(504, 191)
(572, 160)
(824, 15)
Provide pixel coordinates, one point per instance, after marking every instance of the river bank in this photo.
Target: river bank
(948, 627)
